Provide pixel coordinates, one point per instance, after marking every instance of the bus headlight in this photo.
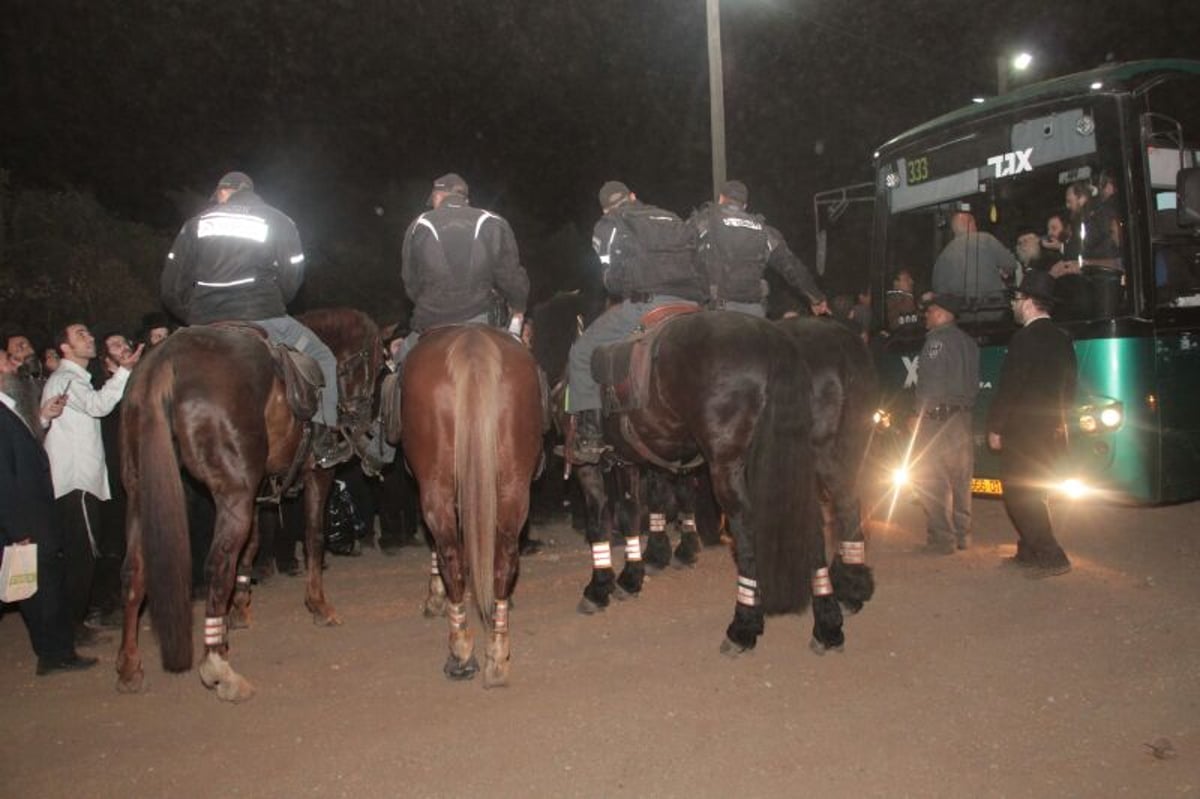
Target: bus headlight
(1074, 488)
(882, 419)
(1087, 423)
(900, 477)
(1103, 416)
(1111, 417)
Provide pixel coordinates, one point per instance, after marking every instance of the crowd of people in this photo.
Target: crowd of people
(240, 259)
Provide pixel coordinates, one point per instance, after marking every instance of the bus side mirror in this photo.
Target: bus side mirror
(1187, 186)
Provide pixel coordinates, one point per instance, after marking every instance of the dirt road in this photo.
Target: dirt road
(961, 678)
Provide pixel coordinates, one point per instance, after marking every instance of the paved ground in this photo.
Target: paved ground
(959, 679)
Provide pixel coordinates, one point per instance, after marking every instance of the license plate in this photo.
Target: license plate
(980, 485)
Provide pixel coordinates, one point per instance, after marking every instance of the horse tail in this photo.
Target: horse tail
(781, 481)
(476, 374)
(163, 514)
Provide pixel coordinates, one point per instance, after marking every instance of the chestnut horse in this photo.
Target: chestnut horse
(209, 400)
(471, 418)
(780, 412)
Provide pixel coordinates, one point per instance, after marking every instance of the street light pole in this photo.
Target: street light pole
(716, 95)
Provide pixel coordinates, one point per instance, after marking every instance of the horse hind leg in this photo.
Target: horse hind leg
(240, 616)
(827, 615)
(435, 599)
(234, 516)
(687, 553)
(130, 675)
(658, 543)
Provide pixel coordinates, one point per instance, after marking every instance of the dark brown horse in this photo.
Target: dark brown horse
(472, 435)
(780, 413)
(208, 400)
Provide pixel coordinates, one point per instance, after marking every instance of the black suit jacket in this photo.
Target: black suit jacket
(26, 489)
(1037, 387)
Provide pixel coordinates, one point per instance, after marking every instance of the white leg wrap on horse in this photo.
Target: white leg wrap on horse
(688, 522)
(500, 617)
(821, 584)
(214, 630)
(243, 582)
(658, 522)
(853, 551)
(747, 591)
(433, 566)
(601, 556)
(458, 617)
(633, 548)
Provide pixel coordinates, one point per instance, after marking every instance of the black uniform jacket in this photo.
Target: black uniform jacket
(26, 489)
(452, 259)
(241, 260)
(1036, 390)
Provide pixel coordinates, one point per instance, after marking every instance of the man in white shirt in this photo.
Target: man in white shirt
(76, 451)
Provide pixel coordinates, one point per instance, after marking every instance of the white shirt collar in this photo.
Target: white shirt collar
(9, 401)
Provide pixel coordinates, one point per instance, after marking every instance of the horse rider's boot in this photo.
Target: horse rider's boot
(589, 444)
(329, 446)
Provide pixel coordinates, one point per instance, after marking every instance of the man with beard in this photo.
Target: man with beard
(1027, 423)
(21, 349)
(28, 515)
(76, 451)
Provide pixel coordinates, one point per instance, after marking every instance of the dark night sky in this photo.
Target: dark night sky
(339, 106)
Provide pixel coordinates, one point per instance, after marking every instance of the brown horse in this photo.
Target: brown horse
(208, 400)
(472, 434)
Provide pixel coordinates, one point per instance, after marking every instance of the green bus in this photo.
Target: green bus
(1128, 134)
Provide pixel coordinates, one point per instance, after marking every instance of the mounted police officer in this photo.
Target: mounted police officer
(947, 384)
(455, 258)
(241, 260)
(735, 247)
(648, 259)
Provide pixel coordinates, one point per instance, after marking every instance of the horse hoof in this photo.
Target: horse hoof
(457, 670)
(819, 648)
(132, 685)
(434, 608)
(587, 607)
(732, 650)
(327, 618)
(234, 690)
(239, 620)
(622, 594)
(496, 675)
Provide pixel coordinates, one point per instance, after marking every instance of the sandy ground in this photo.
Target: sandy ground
(960, 679)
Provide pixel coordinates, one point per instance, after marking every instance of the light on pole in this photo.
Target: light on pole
(716, 95)
(1006, 65)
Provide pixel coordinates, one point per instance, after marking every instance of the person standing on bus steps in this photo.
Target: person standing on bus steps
(973, 265)
(947, 384)
(1027, 423)
(241, 260)
(648, 259)
(735, 246)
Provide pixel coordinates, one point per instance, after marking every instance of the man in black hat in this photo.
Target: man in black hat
(1027, 422)
(454, 257)
(648, 259)
(735, 247)
(240, 259)
(947, 384)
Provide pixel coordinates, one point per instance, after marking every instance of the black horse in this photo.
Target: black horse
(780, 412)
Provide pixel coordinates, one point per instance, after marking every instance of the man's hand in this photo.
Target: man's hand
(821, 308)
(130, 359)
(53, 407)
(994, 441)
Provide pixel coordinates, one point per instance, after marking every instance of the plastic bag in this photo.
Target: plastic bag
(343, 527)
(18, 572)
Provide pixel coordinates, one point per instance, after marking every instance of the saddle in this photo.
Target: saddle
(623, 369)
(300, 373)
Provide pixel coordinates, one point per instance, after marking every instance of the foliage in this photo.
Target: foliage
(66, 257)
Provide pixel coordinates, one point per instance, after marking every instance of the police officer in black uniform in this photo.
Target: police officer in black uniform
(648, 258)
(947, 384)
(453, 258)
(735, 247)
(240, 259)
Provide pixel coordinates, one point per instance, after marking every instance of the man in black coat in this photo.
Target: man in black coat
(1027, 422)
(28, 514)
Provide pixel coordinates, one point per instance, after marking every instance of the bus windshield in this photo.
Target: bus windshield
(972, 210)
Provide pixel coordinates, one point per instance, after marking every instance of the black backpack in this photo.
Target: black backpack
(658, 250)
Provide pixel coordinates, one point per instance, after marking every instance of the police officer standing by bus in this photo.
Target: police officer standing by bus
(947, 384)
(735, 247)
